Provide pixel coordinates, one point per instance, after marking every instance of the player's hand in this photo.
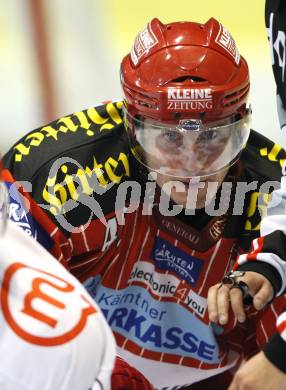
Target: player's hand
(258, 373)
(126, 377)
(222, 296)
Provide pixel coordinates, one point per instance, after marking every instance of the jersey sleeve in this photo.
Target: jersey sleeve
(275, 349)
(25, 213)
(275, 19)
(69, 172)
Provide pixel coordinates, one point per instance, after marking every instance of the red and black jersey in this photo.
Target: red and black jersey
(92, 205)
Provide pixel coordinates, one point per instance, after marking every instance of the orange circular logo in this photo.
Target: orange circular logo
(42, 308)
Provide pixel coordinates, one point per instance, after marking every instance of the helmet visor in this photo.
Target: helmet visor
(189, 149)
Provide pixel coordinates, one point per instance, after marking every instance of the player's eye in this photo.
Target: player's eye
(173, 138)
(207, 136)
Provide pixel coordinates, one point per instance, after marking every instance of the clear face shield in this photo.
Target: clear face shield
(190, 149)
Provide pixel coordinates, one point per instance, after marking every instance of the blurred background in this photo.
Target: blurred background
(61, 56)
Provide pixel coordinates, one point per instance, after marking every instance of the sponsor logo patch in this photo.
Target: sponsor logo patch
(56, 302)
(190, 124)
(157, 327)
(161, 284)
(197, 303)
(19, 214)
(144, 41)
(168, 257)
(195, 99)
(165, 285)
(226, 41)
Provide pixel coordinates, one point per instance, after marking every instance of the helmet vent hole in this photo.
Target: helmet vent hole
(186, 78)
(235, 97)
(177, 115)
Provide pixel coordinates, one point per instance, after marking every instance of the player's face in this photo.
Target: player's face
(184, 156)
(190, 151)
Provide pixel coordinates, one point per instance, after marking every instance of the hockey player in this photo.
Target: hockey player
(148, 202)
(53, 335)
(267, 369)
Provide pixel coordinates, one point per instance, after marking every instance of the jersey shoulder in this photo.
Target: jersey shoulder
(262, 158)
(74, 166)
(76, 132)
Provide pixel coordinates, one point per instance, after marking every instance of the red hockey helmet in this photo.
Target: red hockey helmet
(184, 82)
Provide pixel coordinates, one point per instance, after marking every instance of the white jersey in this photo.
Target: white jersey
(53, 335)
(270, 248)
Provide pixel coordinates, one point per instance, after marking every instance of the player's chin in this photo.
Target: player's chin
(189, 199)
